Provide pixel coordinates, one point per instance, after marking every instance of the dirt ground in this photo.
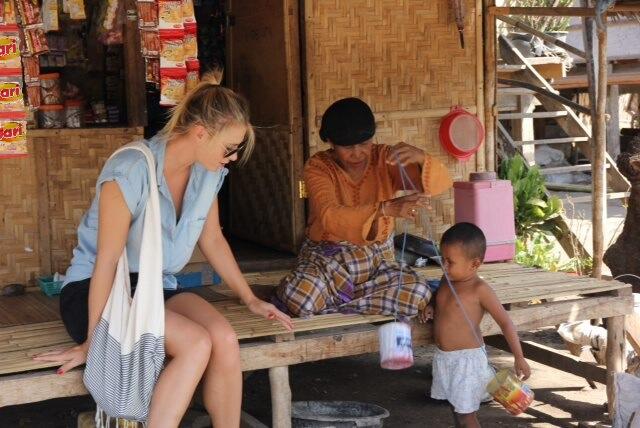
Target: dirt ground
(562, 400)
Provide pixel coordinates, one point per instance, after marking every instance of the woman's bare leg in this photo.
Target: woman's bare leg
(189, 346)
(222, 381)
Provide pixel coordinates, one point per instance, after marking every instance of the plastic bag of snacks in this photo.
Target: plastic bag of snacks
(170, 14)
(193, 73)
(13, 137)
(172, 86)
(75, 9)
(188, 12)
(10, 47)
(34, 41)
(147, 14)
(50, 15)
(150, 42)
(8, 12)
(11, 98)
(31, 69)
(191, 41)
(152, 66)
(34, 94)
(29, 12)
(172, 49)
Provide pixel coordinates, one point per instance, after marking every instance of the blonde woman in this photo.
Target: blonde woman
(207, 131)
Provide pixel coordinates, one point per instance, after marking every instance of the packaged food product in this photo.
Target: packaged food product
(74, 113)
(50, 15)
(11, 97)
(172, 49)
(170, 14)
(31, 69)
(190, 41)
(13, 134)
(34, 94)
(10, 47)
(29, 12)
(172, 86)
(51, 116)
(9, 12)
(193, 73)
(50, 88)
(152, 66)
(150, 42)
(34, 40)
(147, 14)
(75, 9)
(188, 12)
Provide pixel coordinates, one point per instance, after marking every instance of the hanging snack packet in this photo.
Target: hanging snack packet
(188, 12)
(172, 49)
(34, 95)
(152, 66)
(10, 47)
(172, 86)
(193, 73)
(13, 136)
(29, 12)
(147, 14)
(50, 15)
(150, 42)
(190, 41)
(34, 41)
(76, 9)
(31, 69)
(8, 11)
(11, 98)
(170, 14)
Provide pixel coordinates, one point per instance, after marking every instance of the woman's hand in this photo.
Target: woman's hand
(406, 206)
(70, 358)
(270, 312)
(405, 154)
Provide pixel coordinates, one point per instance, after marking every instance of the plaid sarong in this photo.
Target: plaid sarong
(342, 277)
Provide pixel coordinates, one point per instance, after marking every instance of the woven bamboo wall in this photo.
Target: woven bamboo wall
(403, 57)
(44, 196)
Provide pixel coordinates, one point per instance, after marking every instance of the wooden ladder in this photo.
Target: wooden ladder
(578, 134)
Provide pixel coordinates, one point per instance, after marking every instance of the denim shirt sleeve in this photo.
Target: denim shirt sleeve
(129, 169)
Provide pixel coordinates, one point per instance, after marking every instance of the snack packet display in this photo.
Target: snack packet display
(170, 14)
(172, 49)
(13, 134)
(172, 86)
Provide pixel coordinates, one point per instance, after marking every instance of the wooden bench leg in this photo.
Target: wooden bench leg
(280, 397)
(615, 357)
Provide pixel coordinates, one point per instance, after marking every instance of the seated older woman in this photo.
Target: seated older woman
(347, 262)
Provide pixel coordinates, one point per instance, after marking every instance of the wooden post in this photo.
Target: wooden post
(481, 162)
(598, 175)
(280, 397)
(613, 127)
(615, 356)
(134, 69)
(523, 128)
(490, 113)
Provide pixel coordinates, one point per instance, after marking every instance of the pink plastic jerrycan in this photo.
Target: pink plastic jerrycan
(488, 203)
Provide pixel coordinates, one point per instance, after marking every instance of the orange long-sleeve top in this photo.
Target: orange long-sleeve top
(344, 210)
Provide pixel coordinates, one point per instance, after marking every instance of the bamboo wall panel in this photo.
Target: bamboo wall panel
(43, 197)
(18, 219)
(403, 57)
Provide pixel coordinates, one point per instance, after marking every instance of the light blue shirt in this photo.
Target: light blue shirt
(179, 237)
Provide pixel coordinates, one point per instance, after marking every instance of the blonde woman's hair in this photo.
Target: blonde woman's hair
(214, 107)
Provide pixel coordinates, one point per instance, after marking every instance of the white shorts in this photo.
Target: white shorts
(461, 377)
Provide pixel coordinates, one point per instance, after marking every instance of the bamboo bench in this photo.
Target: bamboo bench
(29, 325)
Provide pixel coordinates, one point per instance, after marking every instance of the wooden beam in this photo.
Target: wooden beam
(553, 358)
(39, 386)
(598, 161)
(543, 36)
(615, 357)
(280, 397)
(613, 124)
(40, 152)
(582, 81)
(481, 155)
(546, 93)
(490, 109)
(560, 11)
(134, 69)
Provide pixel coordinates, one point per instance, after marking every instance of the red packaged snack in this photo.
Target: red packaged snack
(13, 134)
(31, 69)
(172, 86)
(188, 12)
(34, 95)
(34, 40)
(170, 14)
(191, 41)
(29, 12)
(150, 42)
(147, 14)
(152, 66)
(172, 49)
(11, 98)
(10, 47)
(193, 73)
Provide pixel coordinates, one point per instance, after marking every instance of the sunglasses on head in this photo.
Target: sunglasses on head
(238, 148)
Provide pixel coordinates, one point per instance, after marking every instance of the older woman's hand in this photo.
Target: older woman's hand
(406, 206)
(270, 312)
(405, 154)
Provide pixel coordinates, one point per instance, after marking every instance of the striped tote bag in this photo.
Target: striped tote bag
(126, 353)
